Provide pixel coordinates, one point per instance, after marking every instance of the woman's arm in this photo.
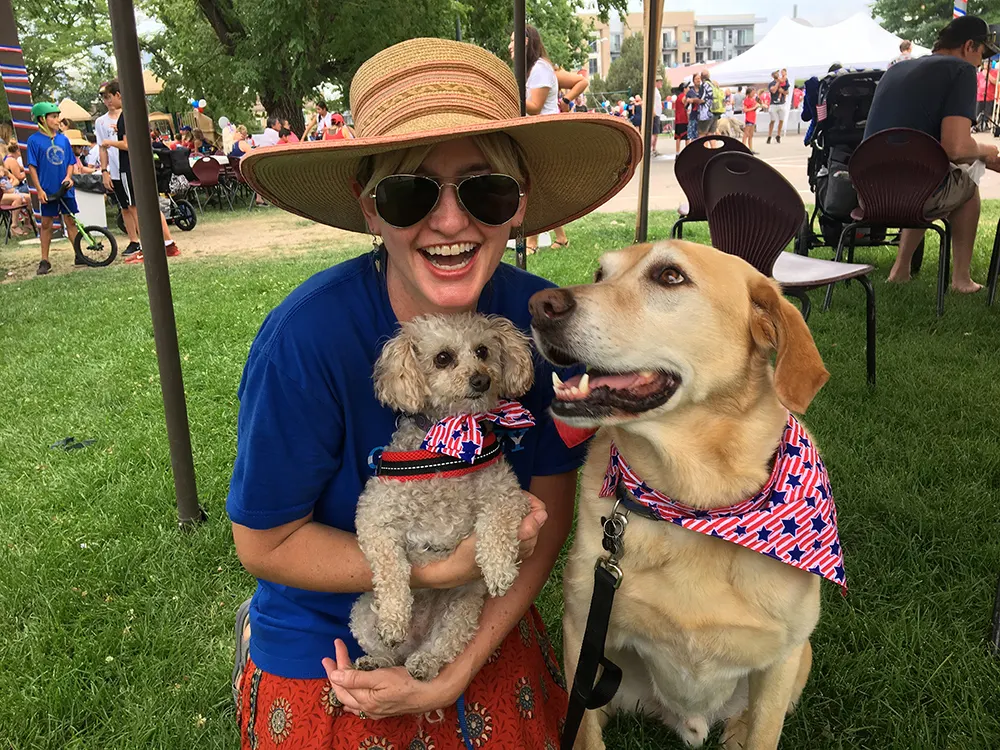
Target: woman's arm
(573, 84)
(391, 692)
(535, 100)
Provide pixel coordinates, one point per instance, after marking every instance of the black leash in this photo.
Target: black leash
(586, 695)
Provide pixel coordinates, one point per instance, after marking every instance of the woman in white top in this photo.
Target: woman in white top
(542, 98)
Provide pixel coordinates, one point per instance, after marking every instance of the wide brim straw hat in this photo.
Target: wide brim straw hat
(426, 91)
(76, 138)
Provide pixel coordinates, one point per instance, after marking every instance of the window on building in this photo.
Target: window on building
(744, 37)
(699, 38)
(716, 35)
(717, 54)
(616, 42)
(669, 40)
(730, 36)
(592, 66)
(669, 60)
(699, 57)
(686, 58)
(686, 37)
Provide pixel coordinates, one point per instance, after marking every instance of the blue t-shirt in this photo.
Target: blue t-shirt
(309, 419)
(51, 158)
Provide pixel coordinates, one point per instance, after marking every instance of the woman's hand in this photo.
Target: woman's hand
(385, 692)
(460, 567)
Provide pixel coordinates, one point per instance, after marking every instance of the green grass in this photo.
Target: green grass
(115, 627)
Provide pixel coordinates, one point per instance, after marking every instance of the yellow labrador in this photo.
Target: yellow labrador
(704, 630)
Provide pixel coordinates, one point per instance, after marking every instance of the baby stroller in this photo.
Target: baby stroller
(843, 103)
(167, 165)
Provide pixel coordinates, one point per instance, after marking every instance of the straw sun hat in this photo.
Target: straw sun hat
(426, 91)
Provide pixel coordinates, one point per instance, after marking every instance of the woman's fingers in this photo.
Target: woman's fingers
(531, 525)
(343, 658)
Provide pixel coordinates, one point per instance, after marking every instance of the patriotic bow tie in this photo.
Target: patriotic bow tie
(792, 519)
(462, 436)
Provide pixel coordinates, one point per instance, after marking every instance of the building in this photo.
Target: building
(686, 39)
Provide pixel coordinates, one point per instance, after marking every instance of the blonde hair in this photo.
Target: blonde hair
(242, 130)
(502, 153)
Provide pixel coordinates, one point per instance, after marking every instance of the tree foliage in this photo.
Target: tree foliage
(920, 20)
(625, 73)
(66, 45)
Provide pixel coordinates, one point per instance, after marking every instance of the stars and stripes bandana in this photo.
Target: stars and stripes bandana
(792, 519)
(462, 436)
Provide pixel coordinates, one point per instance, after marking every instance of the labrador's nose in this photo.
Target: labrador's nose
(480, 382)
(550, 305)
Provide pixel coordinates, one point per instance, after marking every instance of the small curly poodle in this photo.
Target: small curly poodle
(438, 367)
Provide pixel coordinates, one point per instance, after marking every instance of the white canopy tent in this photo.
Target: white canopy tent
(806, 51)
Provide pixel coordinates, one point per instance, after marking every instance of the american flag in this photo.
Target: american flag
(462, 437)
(792, 519)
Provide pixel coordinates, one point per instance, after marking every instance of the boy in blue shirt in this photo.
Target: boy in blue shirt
(50, 166)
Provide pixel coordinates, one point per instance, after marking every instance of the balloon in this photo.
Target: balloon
(223, 121)
(202, 103)
(194, 102)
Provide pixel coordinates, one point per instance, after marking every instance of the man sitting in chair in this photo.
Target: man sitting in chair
(936, 94)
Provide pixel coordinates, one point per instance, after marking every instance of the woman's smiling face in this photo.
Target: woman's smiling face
(441, 263)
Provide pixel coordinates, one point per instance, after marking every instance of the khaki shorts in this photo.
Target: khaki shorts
(956, 190)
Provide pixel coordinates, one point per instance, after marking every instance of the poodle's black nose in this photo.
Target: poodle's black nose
(480, 382)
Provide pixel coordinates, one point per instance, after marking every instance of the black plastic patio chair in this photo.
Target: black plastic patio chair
(991, 277)
(895, 171)
(689, 168)
(753, 213)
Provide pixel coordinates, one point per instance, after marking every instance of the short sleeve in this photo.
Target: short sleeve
(540, 77)
(288, 447)
(960, 98)
(33, 160)
(99, 132)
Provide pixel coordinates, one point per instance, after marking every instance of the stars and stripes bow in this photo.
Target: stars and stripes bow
(462, 436)
(793, 519)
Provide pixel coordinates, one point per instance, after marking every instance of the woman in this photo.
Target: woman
(291, 137)
(750, 107)
(309, 420)
(12, 200)
(241, 142)
(15, 171)
(338, 130)
(541, 98)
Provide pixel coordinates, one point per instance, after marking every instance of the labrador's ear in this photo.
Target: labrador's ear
(515, 358)
(399, 379)
(776, 325)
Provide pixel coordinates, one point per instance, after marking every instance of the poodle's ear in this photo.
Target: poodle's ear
(399, 379)
(518, 370)
(775, 325)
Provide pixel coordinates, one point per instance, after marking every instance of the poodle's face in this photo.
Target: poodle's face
(443, 365)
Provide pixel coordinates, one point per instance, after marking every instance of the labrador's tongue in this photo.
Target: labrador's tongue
(614, 382)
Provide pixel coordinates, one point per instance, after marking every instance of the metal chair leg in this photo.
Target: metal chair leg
(944, 264)
(869, 327)
(677, 230)
(803, 298)
(995, 631)
(991, 276)
(840, 250)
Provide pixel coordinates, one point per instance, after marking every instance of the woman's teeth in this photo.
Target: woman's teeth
(450, 257)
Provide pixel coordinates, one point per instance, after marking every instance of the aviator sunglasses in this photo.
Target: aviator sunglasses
(403, 200)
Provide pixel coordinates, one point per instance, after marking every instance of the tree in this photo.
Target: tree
(230, 51)
(625, 73)
(920, 20)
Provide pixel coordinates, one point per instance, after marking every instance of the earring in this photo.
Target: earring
(376, 252)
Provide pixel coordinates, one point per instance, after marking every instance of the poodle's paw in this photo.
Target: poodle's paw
(694, 731)
(370, 663)
(391, 632)
(423, 666)
(499, 578)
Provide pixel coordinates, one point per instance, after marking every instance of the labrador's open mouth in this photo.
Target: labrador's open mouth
(598, 393)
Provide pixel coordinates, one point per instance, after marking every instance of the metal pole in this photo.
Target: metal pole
(520, 253)
(458, 28)
(653, 18)
(157, 276)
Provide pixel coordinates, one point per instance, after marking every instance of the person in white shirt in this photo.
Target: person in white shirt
(657, 112)
(542, 98)
(270, 136)
(324, 120)
(905, 53)
(106, 129)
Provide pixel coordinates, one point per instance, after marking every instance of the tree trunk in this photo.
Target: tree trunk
(285, 106)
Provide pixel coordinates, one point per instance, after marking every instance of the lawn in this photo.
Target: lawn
(115, 628)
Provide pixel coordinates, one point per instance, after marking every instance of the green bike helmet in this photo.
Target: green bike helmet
(44, 108)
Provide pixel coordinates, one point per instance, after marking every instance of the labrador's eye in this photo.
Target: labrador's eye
(443, 359)
(482, 352)
(670, 276)
(598, 275)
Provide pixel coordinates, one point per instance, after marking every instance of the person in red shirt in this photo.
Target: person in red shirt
(750, 107)
(797, 95)
(680, 123)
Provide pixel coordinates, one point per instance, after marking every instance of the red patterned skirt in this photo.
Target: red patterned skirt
(518, 700)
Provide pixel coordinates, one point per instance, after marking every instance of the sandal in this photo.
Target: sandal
(242, 650)
(559, 245)
(530, 250)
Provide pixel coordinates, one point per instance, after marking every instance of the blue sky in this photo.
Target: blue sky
(817, 12)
